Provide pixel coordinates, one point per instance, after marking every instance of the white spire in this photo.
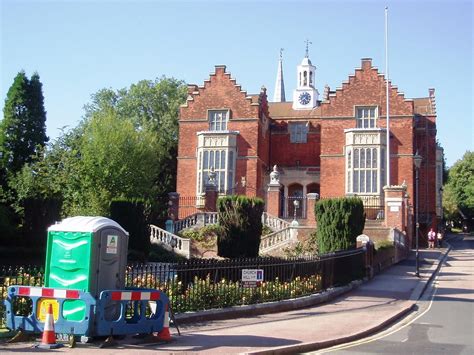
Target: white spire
(279, 94)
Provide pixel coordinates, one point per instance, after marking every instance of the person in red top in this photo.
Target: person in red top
(431, 238)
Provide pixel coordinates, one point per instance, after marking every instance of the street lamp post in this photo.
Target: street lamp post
(296, 204)
(417, 160)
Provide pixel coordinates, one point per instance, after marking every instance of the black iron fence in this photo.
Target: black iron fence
(296, 207)
(374, 207)
(195, 285)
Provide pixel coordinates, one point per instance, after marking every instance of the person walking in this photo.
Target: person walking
(431, 238)
(439, 238)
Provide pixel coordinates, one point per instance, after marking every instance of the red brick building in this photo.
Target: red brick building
(333, 145)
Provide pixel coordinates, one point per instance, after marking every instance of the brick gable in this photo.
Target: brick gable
(248, 116)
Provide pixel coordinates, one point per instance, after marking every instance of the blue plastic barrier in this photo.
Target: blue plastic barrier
(146, 311)
(116, 312)
(31, 323)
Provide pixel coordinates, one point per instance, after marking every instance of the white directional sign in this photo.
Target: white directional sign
(252, 275)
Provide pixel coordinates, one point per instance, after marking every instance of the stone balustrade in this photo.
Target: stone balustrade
(200, 219)
(170, 241)
(275, 240)
(273, 222)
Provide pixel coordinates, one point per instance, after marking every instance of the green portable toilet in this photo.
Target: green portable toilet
(86, 253)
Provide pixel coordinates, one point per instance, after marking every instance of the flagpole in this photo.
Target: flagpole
(387, 97)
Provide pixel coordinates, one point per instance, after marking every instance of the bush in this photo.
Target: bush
(160, 254)
(8, 226)
(130, 214)
(201, 234)
(266, 230)
(205, 237)
(383, 244)
(202, 293)
(340, 221)
(240, 219)
(40, 213)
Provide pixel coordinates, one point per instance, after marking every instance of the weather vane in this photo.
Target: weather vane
(281, 53)
(307, 47)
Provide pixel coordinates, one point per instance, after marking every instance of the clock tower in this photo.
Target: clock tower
(305, 96)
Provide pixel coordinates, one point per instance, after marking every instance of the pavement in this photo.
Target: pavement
(334, 317)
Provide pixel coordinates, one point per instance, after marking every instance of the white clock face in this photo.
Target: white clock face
(304, 98)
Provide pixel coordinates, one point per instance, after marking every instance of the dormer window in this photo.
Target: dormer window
(218, 120)
(366, 117)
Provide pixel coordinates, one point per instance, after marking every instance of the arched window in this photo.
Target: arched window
(295, 193)
(305, 78)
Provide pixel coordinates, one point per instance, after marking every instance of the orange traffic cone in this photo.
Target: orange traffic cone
(48, 341)
(164, 334)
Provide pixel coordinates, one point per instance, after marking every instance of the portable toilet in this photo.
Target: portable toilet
(88, 254)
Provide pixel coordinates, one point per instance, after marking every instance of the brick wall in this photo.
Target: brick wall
(264, 141)
(425, 143)
(365, 88)
(222, 92)
(284, 153)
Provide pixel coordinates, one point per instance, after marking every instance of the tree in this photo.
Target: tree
(240, 221)
(340, 221)
(125, 147)
(151, 106)
(23, 128)
(117, 161)
(458, 195)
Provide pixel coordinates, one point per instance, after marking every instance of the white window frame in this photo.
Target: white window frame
(366, 116)
(364, 170)
(223, 162)
(218, 120)
(298, 132)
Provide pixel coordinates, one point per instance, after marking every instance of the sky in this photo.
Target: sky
(81, 46)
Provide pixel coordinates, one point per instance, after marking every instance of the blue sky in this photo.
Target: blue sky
(79, 47)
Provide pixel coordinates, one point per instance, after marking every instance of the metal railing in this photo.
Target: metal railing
(203, 284)
(195, 285)
(374, 206)
(189, 205)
